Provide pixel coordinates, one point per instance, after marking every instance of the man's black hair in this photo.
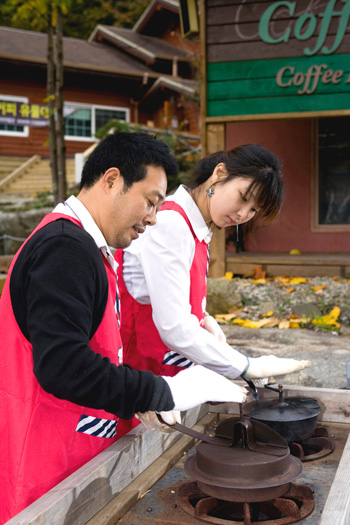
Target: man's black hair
(131, 153)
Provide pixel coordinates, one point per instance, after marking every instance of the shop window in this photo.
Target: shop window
(11, 129)
(82, 121)
(333, 195)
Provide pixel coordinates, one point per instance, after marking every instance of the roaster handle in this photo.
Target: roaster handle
(212, 440)
(280, 392)
(252, 387)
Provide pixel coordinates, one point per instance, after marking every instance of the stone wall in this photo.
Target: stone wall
(19, 225)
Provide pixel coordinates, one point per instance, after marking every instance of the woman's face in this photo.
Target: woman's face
(230, 203)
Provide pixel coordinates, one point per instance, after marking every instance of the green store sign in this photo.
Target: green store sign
(316, 80)
(305, 25)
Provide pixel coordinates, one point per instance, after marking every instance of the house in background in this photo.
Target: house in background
(144, 76)
(278, 74)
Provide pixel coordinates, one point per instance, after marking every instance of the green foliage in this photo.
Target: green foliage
(245, 300)
(44, 199)
(80, 16)
(33, 14)
(116, 125)
(185, 155)
(322, 326)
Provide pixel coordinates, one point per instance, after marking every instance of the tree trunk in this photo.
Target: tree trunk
(50, 89)
(61, 145)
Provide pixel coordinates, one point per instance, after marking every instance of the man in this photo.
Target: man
(62, 389)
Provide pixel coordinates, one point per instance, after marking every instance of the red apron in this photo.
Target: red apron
(142, 345)
(44, 439)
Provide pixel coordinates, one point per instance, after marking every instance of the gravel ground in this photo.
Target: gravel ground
(327, 347)
(327, 352)
(313, 298)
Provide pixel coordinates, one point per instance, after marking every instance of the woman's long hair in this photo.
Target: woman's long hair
(250, 161)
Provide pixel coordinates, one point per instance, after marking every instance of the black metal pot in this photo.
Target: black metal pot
(293, 418)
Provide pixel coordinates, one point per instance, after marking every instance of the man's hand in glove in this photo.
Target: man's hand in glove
(151, 421)
(197, 385)
(213, 327)
(270, 365)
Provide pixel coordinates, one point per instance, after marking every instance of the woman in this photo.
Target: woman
(162, 275)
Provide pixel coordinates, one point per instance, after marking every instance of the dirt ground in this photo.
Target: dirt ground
(328, 352)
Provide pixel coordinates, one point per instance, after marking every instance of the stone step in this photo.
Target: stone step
(38, 178)
(9, 164)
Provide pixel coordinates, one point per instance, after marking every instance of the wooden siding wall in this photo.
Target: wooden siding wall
(78, 88)
(191, 115)
(292, 141)
(165, 24)
(242, 68)
(83, 88)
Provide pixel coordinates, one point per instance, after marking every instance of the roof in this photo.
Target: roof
(155, 5)
(147, 48)
(178, 85)
(30, 46)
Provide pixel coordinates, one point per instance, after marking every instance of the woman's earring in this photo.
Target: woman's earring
(210, 192)
(237, 230)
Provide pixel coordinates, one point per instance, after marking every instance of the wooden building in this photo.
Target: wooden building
(143, 75)
(278, 74)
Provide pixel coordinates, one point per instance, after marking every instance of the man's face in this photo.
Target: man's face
(134, 209)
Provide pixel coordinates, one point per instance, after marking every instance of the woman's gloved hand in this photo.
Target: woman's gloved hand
(151, 421)
(197, 385)
(270, 365)
(214, 328)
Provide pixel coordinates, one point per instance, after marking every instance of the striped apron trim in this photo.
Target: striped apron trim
(105, 428)
(208, 261)
(173, 358)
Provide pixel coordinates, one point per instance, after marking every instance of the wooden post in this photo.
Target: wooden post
(203, 77)
(215, 137)
(212, 139)
(217, 267)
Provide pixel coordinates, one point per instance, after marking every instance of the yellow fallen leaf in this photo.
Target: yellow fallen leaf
(295, 323)
(329, 319)
(317, 288)
(282, 279)
(268, 314)
(225, 317)
(228, 275)
(298, 280)
(239, 321)
(273, 321)
(290, 290)
(283, 324)
(259, 281)
(255, 324)
(335, 312)
(325, 320)
(295, 251)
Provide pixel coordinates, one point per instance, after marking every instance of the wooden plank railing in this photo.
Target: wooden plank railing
(19, 171)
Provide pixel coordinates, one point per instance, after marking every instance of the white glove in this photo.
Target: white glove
(270, 365)
(197, 385)
(213, 327)
(151, 421)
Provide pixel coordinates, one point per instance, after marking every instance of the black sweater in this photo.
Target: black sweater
(59, 290)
